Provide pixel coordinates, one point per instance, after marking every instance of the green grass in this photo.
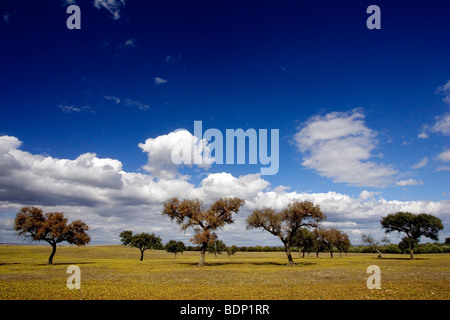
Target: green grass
(115, 272)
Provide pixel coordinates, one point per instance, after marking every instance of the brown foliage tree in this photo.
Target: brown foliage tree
(286, 223)
(191, 213)
(327, 238)
(32, 224)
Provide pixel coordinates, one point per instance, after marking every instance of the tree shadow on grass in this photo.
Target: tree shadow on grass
(256, 263)
(402, 259)
(8, 263)
(64, 263)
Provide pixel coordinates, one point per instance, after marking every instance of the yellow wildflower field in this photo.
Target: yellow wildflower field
(115, 272)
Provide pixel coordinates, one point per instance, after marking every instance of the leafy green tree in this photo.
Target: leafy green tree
(413, 226)
(31, 223)
(189, 213)
(304, 240)
(143, 241)
(174, 246)
(286, 223)
(216, 247)
(231, 250)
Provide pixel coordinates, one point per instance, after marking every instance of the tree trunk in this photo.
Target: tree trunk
(50, 259)
(142, 255)
(317, 254)
(303, 254)
(202, 255)
(288, 254)
(331, 253)
(411, 251)
(380, 254)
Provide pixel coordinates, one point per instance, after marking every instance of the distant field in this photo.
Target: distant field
(115, 272)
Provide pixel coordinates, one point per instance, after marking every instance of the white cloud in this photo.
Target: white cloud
(136, 104)
(130, 43)
(113, 6)
(442, 125)
(159, 80)
(422, 163)
(409, 182)
(339, 145)
(70, 109)
(368, 195)
(112, 98)
(99, 192)
(445, 90)
(160, 151)
(444, 156)
(423, 134)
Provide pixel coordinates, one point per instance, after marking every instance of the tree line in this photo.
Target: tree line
(297, 226)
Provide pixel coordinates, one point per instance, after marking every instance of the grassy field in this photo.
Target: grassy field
(115, 272)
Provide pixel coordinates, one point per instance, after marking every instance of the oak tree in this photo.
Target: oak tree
(32, 224)
(143, 241)
(413, 226)
(342, 243)
(287, 222)
(327, 238)
(231, 250)
(216, 247)
(305, 241)
(191, 213)
(174, 247)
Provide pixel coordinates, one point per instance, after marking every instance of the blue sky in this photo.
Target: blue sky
(363, 114)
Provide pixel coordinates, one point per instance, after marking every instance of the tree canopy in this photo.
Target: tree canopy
(32, 224)
(216, 247)
(287, 222)
(413, 226)
(143, 241)
(175, 247)
(191, 213)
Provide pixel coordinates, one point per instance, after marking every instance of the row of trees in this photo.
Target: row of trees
(297, 225)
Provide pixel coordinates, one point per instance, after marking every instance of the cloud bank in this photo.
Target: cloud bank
(99, 192)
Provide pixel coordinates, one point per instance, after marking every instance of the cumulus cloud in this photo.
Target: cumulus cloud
(113, 6)
(99, 192)
(163, 150)
(444, 156)
(339, 145)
